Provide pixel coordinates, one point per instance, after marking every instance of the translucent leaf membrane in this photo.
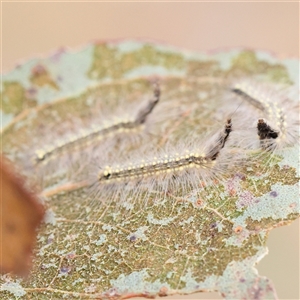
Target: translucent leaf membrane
(164, 239)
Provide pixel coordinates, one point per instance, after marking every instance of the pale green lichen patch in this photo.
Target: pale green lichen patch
(239, 274)
(289, 161)
(241, 281)
(50, 217)
(13, 287)
(102, 239)
(138, 234)
(164, 221)
(278, 204)
(136, 282)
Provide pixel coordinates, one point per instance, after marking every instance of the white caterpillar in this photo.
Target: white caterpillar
(96, 136)
(277, 121)
(187, 166)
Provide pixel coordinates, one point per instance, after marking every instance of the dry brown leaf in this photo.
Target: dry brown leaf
(21, 214)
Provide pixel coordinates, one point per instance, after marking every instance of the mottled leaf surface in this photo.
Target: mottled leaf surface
(179, 242)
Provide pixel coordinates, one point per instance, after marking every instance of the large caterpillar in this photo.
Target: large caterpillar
(181, 167)
(58, 157)
(92, 135)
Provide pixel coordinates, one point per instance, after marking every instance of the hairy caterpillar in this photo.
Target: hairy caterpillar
(277, 116)
(72, 146)
(193, 164)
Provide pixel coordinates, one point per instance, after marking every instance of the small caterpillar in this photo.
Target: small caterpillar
(277, 123)
(90, 136)
(176, 162)
(181, 167)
